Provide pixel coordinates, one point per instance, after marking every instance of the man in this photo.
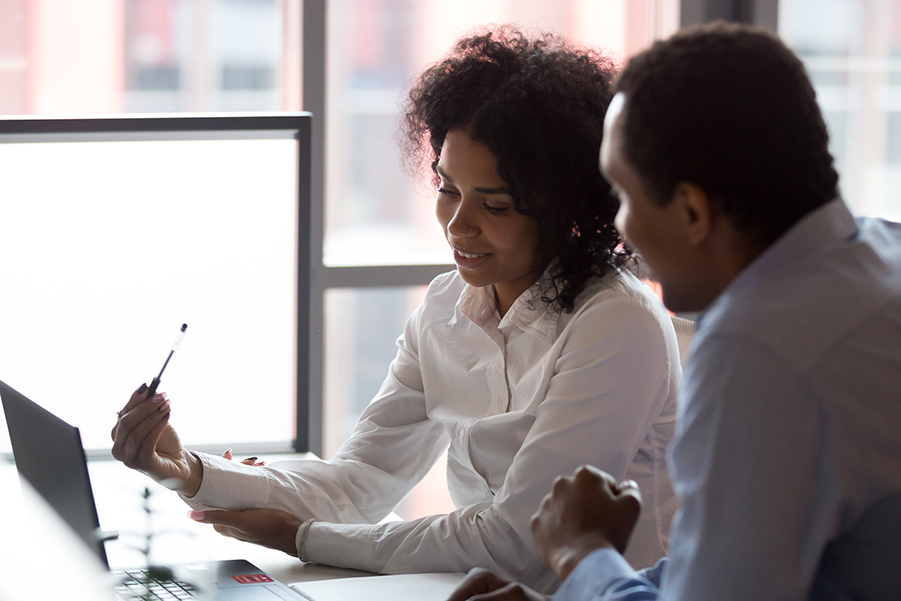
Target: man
(787, 455)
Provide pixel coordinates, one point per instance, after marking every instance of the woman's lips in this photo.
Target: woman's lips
(469, 260)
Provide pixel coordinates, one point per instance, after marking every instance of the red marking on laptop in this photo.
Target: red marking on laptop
(253, 578)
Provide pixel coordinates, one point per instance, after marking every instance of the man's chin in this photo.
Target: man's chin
(682, 302)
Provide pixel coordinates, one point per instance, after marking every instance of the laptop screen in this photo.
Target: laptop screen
(50, 456)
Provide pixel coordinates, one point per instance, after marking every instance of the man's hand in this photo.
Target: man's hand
(271, 528)
(482, 585)
(584, 512)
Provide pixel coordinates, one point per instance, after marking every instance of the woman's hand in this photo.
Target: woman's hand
(144, 440)
(584, 512)
(271, 528)
(482, 585)
(252, 461)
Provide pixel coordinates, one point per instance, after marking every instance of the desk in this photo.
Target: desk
(35, 538)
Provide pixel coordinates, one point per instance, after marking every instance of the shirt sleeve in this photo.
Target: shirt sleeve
(753, 472)
(605, 576)
(613, 375)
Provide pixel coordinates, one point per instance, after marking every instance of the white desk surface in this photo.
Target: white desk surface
(34, 537)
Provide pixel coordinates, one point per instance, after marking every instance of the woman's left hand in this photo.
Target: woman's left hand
(271, 528)
(254, 461)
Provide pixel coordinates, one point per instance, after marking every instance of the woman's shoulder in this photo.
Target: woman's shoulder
(443, 293)
(619, 291)
(620, 305)
(446, 284)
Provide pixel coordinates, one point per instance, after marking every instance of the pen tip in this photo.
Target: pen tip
(184, 327)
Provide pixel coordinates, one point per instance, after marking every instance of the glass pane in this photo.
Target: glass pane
(375, 214)
(852, 50)
(13, 57)
(113, 56)
(361, 328)
(108, 247)
(150, 56)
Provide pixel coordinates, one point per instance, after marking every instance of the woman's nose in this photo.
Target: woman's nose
(463, 222)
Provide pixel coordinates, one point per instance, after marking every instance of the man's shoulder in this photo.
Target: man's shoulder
(805, 308)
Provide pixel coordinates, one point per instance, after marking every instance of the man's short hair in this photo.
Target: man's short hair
(729, 108)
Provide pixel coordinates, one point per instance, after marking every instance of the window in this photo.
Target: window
(119, 230)
(852, 51)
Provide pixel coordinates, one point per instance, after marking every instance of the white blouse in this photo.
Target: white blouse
(519, 401)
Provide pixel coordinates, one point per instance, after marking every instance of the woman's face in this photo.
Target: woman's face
(492, 242)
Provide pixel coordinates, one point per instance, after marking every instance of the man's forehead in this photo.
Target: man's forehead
(615, 108)
(610, 119)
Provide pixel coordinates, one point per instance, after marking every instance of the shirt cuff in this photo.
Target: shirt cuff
(342, 545)
(594, 575)
(230, 485)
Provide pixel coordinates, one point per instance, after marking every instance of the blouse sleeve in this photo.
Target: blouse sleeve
(612, 378)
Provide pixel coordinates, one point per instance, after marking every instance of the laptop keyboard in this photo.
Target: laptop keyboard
(151, 585)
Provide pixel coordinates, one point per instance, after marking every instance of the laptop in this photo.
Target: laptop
(49, 455)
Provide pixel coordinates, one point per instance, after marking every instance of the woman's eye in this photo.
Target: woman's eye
(443, 190)
(496, 210)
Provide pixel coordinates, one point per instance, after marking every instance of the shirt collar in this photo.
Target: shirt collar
(528, 312)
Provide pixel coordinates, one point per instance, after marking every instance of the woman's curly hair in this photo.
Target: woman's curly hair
(538, 103)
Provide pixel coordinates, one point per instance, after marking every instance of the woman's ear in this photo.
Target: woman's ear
(695, 211)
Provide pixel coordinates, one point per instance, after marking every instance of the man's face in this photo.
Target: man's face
(650, 229)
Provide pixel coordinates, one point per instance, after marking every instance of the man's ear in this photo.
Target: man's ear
(695, 211)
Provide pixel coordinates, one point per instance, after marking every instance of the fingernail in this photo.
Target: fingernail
(250, 459)
(197, 516)
(142, 388)
(164, 406)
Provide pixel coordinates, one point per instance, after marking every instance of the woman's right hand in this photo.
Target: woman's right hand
(144, 440)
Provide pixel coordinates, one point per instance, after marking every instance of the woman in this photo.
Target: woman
(538, 354)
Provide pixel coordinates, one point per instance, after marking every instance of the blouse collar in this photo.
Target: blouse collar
(528, 312)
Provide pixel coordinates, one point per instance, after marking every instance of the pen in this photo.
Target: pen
(156, 381)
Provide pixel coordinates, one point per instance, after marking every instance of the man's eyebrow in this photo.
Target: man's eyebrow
(480, 190)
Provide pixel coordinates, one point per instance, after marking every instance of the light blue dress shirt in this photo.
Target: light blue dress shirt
(787, 455)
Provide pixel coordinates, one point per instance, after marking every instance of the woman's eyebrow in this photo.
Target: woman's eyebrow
(501, 190)
(480, 190)
(443, 174)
